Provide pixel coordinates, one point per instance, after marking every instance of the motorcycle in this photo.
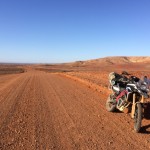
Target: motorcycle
(128, 95)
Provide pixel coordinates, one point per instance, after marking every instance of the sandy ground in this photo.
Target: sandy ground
(44, 111)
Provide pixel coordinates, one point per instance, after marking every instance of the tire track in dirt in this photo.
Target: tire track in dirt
(13, 124)
(64, 127)
(6, 80)
(9, 96)
(45, 136)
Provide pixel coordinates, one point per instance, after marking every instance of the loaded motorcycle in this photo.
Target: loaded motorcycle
(127, 94)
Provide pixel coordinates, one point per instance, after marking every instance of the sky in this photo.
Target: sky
(55, 31)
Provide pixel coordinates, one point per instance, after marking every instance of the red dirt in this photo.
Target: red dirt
(39, 110)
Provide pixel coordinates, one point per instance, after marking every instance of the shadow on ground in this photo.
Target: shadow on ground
(144, 129)
(147, 112)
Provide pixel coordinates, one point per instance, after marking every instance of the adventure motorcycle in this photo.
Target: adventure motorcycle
(127, 94)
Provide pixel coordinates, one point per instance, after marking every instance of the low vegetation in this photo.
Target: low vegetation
(11, 70)
(52, 70)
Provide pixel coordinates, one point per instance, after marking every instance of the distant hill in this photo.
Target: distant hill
(113, 60)
(117, 63)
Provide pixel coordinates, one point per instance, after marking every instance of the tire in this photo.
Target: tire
(111, 103)
(138, 117)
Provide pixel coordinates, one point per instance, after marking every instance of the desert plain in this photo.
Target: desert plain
(62, 106)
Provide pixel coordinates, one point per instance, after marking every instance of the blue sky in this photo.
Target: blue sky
(51, 31)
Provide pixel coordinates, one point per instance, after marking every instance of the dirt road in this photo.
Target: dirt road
(45, 111)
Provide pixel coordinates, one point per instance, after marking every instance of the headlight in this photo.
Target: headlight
(112, 82)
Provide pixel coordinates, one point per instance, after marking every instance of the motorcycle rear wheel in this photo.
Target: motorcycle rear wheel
(111, 103)
(138, 117)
